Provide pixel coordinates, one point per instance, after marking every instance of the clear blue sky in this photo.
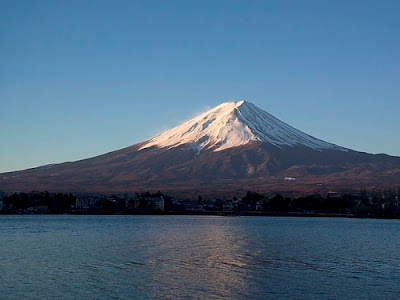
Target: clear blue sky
(81, 78)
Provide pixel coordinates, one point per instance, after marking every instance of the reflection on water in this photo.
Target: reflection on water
(194, 261)
(169, 257)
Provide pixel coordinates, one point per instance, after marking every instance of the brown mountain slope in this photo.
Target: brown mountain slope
(256, 166)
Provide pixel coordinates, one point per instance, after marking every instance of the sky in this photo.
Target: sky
(82, 78)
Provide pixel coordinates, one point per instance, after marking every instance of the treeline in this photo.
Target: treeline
(365, 204)
(374, 204)
(56, 203)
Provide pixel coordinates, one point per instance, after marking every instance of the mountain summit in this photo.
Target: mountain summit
(232, 148)
(233, 124)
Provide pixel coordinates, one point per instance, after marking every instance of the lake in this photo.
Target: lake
(200, 257)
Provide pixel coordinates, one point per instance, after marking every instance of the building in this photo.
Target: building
(194, 207)
(228, 207)
(147, 204)
(156, 203)
(86, 201)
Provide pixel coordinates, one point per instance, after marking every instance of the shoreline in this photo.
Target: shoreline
(220, 214)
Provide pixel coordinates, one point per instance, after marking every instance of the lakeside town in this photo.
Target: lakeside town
(365, 204)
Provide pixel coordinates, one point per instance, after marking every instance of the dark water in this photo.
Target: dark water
(184, 257)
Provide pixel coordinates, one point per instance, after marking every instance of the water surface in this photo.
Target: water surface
(201, 257)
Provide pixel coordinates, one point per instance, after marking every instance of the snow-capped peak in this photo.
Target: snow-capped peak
(232, 124)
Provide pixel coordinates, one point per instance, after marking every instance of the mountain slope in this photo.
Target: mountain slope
(228, 150)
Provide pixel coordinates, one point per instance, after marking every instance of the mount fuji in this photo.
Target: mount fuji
(227, 150)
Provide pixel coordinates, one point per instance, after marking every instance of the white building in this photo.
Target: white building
(157, 203)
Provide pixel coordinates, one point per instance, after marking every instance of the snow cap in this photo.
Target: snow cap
(233, 124)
